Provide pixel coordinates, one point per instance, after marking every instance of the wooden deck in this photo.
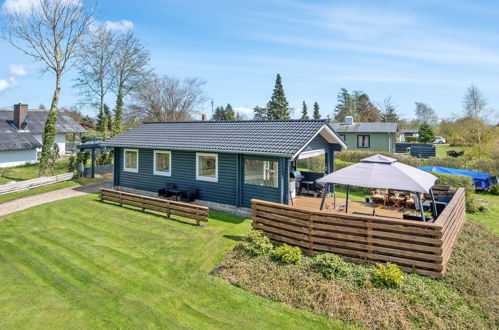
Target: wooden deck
(314, 203)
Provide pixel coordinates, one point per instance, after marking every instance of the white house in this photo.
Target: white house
(21, 134)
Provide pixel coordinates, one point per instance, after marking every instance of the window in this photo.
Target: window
(207, 167)
(131, 160)
(162, 162)
(363, 141)
(261, 172)
(342, 137)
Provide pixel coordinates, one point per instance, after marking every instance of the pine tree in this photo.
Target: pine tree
(278, 107)
(426, 134)
(317, 112)
(304, 111)
(389, 114)
(109, 118)
(219, 114)
(260, 113)
(344, 107)
(118, 111)
(365, 110)
(229, 113)
(104, 123)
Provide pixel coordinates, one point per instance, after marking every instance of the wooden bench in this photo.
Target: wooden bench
(169, 207)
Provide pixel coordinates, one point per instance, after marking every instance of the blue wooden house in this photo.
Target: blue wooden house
(228, 162)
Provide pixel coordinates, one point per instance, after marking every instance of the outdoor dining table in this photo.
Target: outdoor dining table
(177, 192)
(396, 200)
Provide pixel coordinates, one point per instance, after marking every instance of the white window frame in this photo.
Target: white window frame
(205, 178)
(156, 172)
(126, 169)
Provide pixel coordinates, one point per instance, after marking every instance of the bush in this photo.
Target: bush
(339, 164)
(256, 244)
(104, 158)
(411, 139)
(459, 181)
(287, 254)
(387, 275)
(330, 265)
(72, 164)
(494, 190)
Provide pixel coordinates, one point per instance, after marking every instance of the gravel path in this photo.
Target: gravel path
(27, 202)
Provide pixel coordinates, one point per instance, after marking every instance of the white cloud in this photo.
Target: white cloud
(28, 7)
(17, 70)
(244, 111)
(121, 26)
(7, 83)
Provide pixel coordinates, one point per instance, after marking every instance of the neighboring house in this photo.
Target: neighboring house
(21, 134)
(376, 136)
(404, 133)
(228, 162)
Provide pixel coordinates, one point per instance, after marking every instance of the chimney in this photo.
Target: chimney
(348, 120)
(20, 113)
(203, 117)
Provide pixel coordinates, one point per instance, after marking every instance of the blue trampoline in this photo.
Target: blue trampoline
(480, 179)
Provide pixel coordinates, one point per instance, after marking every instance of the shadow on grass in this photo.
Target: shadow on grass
(226, 217)
(236, 238)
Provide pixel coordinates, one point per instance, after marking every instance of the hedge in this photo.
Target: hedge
(459, 181)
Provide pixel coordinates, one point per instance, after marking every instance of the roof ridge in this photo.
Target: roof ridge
(236, 121)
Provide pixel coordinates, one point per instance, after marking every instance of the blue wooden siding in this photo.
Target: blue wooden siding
(230, 188)
(317, 142)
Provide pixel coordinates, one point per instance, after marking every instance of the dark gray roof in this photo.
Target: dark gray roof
(37, 118)
(365, 127)
(12, 139)
(283, 137)
(410, 130)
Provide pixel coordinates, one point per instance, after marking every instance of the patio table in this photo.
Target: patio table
(177, 192)
(396, 200)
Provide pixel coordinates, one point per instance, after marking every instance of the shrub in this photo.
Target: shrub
(287, 254)
(256, 244)
(72, 164)
(494, 190)
(104, 158)
(330, 265)
(411, 139)
(426, 134)
(339, 164)
(387, 275)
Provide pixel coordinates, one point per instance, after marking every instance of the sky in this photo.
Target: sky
(428, 51)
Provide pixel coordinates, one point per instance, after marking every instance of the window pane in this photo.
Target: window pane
(207, 166)
(162, 162)
(363, 141)
(261, 173)
(131, 159)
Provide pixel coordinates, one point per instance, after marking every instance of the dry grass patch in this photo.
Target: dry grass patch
(465, 298)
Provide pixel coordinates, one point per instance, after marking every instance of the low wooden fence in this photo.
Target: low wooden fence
(169, 207)
(34, 183)
(415, 246)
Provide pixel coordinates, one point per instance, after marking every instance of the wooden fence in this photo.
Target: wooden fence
(169, 207)
(415, 246)
(34, 183)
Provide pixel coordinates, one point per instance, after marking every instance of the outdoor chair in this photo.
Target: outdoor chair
(444, 198)
(163, 192)
(191, 194)
(380, 195)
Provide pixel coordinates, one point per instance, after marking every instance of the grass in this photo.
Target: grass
(490, 217)
(30, 171)
(464, 298)
(442, 148)
(78, 263)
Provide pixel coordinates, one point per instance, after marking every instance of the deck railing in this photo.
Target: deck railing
(186, 210)
(415, 246)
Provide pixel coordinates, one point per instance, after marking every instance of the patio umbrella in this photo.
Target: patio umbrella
(379, 171)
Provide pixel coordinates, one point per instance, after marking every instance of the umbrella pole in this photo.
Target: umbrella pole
(434, 208)
(326, 191)
(346, 208)
(421, 207)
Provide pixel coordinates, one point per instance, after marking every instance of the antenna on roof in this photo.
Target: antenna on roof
(212, 107)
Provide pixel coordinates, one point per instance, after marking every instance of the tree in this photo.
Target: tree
(278, 107)
(389, 111)
(260, 113)
(364, 109)
(474, 108)
(95, 69)
(130, 67)
(219, 114)
(304, 111)
(426, 134)
(167, 99)
(226, 113)
(425, 114)
(49, 31)
(317, 112)
(345, 106)
(87, 122)
(104, 120)
(229, 113)
(42, 107)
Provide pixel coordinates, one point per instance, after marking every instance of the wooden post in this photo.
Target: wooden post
(310, 241)
(93, 163)
(346, 207)
(369, 239)
(421, 207)
(326, 191)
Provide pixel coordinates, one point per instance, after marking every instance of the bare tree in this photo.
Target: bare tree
(49, 31)
(167, 99)
(474, 109)
(130, 69)
(425, 114)
(95, 70)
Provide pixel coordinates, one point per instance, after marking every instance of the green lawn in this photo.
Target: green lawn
(30, 171)
(442, 148)
(77, 263)
(40, 190)
(491, 217)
